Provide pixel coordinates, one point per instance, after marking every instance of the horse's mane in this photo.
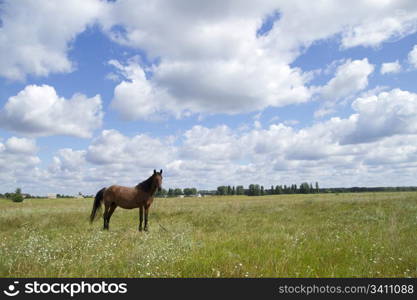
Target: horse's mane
(146, 185)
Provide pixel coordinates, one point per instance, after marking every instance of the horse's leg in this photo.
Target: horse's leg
(146, 217)
(106, 211)
(140, 217)
(110, 212)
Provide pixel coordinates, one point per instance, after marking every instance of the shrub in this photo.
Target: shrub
(17, 196)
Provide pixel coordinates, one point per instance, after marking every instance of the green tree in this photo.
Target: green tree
(240, 190)
(171, 193)
(17, 196)
(278, 190)
(190, 191)
(221, 190)
(178, 192)
(304, 188)
(254, 190)
(162, 193)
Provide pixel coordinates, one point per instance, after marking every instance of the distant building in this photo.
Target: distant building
(51, 196)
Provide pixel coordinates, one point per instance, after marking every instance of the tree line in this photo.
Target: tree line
(260, 190)
(252, 190)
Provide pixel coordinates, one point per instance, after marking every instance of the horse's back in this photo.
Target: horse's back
(126, 197)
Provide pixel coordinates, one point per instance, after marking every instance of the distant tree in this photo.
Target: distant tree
(278, 190)
(317, 187)
(187, 192)
(233, 190)
(254, 190)
(178, 192)
(304, 188)
(221, 190)
(17, 196)
(262, 190)
(162, 193)
(190, 191)
(240, 190)
(251, 190)
(171, 193)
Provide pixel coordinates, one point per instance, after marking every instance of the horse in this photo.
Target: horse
(141, 196)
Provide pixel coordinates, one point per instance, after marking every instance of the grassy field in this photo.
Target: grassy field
(345, 235)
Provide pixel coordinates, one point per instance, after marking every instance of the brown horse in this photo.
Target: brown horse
(127, 197)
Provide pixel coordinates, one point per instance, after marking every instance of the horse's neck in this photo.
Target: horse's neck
(153, 189)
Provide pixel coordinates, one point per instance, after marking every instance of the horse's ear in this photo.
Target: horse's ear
(154, 171)
(160, 172)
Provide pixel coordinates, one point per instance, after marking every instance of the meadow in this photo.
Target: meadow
(314, 235)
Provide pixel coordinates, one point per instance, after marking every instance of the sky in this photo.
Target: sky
(94, 93)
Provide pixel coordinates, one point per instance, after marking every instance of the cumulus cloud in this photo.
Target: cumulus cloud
(218, 62)
(39, 111)
(20, 145)
(391, 20)
(383, 115)
(412, 56)
(140, 151)
(217, 145)
(36, 36)
(136, 97)
(18, 159)
(334, 152)
(390, 67)
(241, 84)
(68, 160)
(350, 77)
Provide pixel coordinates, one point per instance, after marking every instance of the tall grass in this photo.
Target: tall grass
(321, 235)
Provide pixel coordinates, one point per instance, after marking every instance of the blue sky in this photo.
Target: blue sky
(227, 92)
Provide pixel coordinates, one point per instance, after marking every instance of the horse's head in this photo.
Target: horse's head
(157, 177)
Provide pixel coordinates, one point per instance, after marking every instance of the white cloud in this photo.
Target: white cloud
(412, 56)
(138, 152)
(68, 160)
(350, 77)
(217, 145)
(214, 86)
(373, 146)
(35, 36)
(390, 67)
(136, 97)
(383, 115)
(21, 145)
(39, 111)
(219, 64)
(18, 160)
(392, 21)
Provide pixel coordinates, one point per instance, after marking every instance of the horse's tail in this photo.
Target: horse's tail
(97, 204)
